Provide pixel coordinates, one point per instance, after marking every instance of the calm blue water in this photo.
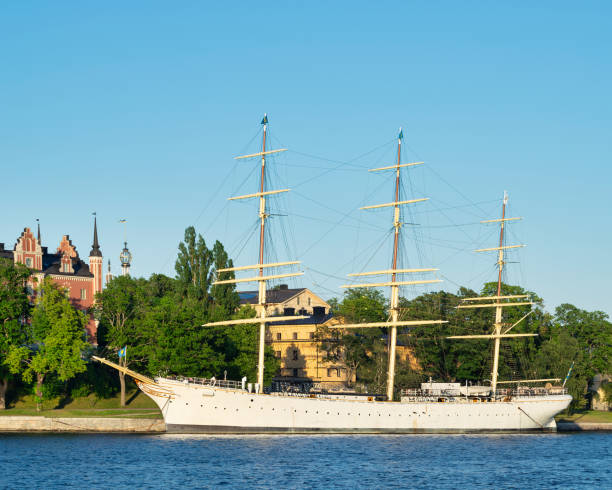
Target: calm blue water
(414, 461)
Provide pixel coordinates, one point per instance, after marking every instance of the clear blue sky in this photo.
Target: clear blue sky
(135, 110)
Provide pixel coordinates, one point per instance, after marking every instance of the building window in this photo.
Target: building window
(289, 311)
(308, 301)
(311, 335)
(29, 262)
(279, 336)
(294, 335)
(296, 373)
(278, 354)
(295, 354)
(83, 293)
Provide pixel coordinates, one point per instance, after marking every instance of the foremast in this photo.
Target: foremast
(499, 302)
(261, 279)
(394, 284)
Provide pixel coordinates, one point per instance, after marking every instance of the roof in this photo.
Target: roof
(273, 296)
(52, 262)
(311, 320)
(95, 248)
(5, 254)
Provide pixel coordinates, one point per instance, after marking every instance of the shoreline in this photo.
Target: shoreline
(584, 426)
(42, 424)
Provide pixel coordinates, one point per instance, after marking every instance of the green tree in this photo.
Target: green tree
(58, 336)
(194, 264)
(181, 345)
(579, 336)
(120, 307)
(242, 350)
(360, 351)
(225, 299)
(14, 311)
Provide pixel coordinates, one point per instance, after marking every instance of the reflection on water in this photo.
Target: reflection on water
(264, 461)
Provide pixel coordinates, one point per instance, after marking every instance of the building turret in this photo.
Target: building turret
(109, 274)
(95, 261)
(125, 257)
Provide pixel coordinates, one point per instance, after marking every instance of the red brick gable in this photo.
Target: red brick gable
(67, 248)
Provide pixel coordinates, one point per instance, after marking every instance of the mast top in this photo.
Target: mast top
(400, 136)
(264, 121)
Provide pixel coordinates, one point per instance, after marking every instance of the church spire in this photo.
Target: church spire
(95, 248)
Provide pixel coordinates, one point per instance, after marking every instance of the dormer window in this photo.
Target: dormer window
(66, 267)
(29, 262)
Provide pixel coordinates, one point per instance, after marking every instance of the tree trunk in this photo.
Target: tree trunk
(39, 382)
(122, 383)
(3, 388)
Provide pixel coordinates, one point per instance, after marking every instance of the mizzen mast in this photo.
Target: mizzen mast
(261, 279)
(498, 301)
(394, 284)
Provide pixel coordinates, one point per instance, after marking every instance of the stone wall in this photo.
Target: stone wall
(25, 423)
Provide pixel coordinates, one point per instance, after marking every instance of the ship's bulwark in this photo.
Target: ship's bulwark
(193, 408)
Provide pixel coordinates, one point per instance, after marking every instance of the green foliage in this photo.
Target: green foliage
(359, 351)
(57, 339)
(581, 337)
(569, 335)
(607, 391)
(193, 265)
(225, 300)
(160, 319)
(120, 308)
(14, 310)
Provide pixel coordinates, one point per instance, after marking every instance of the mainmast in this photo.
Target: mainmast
(498, 308)
(394, 284)
(499, 301)
(261, 318)
(394, 288)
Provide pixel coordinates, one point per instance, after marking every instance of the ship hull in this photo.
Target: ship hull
(192, 408)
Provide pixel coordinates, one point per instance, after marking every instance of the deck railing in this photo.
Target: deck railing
(433, 395)
(531, 391)
(219, 383)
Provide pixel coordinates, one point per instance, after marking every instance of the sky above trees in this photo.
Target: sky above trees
(137, 110)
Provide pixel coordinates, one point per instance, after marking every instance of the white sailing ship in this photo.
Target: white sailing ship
(191, 405)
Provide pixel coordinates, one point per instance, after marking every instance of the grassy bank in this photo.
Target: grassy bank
(588, 416)
(138, 405)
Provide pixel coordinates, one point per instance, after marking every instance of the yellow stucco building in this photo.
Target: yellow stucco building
(293, 342)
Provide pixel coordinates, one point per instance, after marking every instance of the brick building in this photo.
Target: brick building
(82, 280)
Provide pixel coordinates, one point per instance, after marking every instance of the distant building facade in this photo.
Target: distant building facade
(301, 359)
(81, 280)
